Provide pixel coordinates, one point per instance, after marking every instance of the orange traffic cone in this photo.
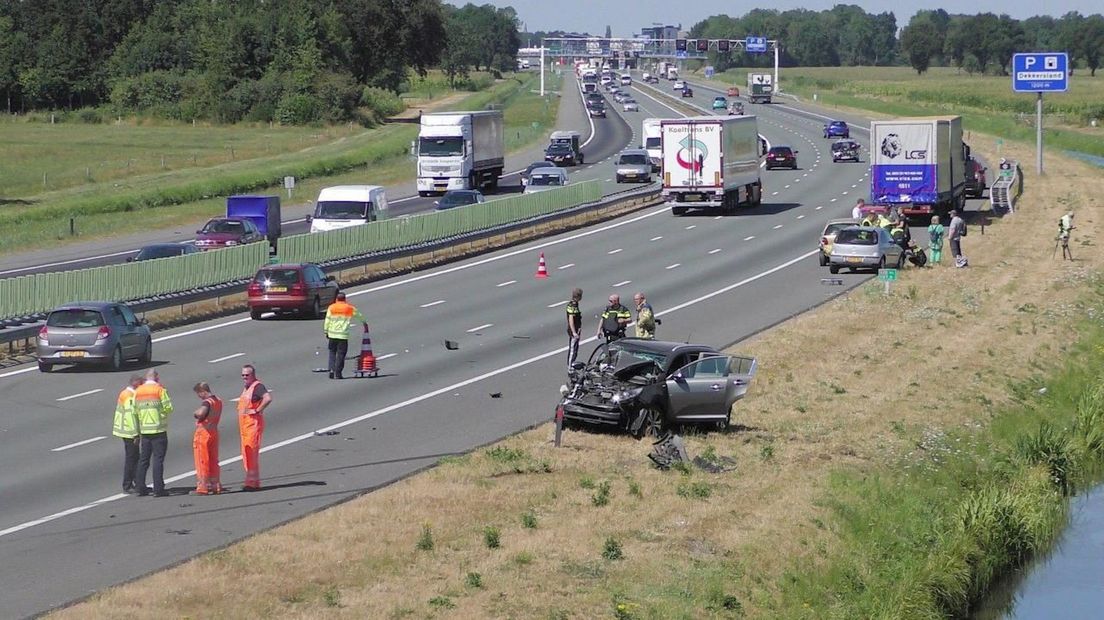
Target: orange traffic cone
(366, 365)
(542, 268)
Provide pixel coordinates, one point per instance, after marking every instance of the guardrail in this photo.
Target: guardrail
(24, 299)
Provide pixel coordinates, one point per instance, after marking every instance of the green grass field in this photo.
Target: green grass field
(174, 197)
(986, 103)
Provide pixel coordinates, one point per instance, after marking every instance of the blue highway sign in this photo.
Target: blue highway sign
(1043, 72)
(755, 44)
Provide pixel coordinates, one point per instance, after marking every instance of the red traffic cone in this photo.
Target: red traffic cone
(366, 365)
(542, 268)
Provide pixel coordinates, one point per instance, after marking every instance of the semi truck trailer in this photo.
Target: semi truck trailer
(710, 162)
(760, 87)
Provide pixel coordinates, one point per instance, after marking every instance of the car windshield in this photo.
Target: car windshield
(559, 148)
(341, 210)
(279, 277)
(441, 147)
(652, 143)
(633, 159)
(159, 251)
(844, 146)
(545, 179)
(456, 199)
(857, 236)
(838, 124)
(719, 99)
(224, 226)
(75, 317)
(622, 357)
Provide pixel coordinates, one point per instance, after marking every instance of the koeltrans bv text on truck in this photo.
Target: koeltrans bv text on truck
(460, 150)
(711, 162)
(760, 87)
(920, 165)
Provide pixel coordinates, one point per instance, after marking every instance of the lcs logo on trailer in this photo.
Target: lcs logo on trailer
(892, 148)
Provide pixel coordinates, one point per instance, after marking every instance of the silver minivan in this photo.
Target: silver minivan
(93, 332)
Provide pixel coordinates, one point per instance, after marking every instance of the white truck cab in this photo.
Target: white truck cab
(343, 206)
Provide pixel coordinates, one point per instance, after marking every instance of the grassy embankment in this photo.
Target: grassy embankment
(889, 472)
(185, 196)
(986, 103)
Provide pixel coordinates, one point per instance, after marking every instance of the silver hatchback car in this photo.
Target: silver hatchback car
(93, 332)
(864, 247)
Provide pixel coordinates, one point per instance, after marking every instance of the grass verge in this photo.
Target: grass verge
(878, 473)
(986, 103)
(175, 198)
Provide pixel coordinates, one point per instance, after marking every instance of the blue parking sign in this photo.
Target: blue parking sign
(1042, 72)
(755, 44)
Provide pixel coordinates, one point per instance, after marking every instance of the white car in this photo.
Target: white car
(630, 105)
(543, 179)
(606, 80)
(678, 85)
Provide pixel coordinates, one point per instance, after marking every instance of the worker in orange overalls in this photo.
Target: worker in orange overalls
(205, 441)
(254, 399)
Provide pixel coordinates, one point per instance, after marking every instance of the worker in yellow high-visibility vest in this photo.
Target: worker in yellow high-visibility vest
(125, 427)
(153, 406)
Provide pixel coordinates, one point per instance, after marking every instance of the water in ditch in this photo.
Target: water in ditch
(1068, 583)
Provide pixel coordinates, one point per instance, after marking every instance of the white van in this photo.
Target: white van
(348, 205)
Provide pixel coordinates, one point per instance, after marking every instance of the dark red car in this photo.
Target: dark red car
(222, 232)
(781, 157)
(302, 288)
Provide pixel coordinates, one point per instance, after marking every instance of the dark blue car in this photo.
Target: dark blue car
(837, 129)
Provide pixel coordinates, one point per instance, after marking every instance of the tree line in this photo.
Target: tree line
(293, 61)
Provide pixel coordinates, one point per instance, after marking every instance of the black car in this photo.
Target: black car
(560, 154)
(687, 92)
(596, 110)
(645, 386)
(595, 99)
(459, 198)
(163, 250)
(781, 157)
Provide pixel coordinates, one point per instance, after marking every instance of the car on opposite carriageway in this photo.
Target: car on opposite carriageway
(163, 250)
(459, 198)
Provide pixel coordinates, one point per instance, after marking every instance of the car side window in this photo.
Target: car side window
(128, 315)
(116, 316)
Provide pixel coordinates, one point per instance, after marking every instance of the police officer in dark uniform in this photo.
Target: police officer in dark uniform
(574, 326)
(614, 320)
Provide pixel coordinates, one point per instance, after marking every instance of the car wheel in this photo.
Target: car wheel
(823, 260)
(116, 362)
(316, 309)
(646, 424)
(255, 314)
(900, 261)
(722, 425)
(833, 269)
(44, 367)
(619, 179)
(147, 353)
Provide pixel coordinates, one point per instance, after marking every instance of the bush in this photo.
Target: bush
(90, 116)
(297, 109)
(491, 537)
(611, 549)
(425, 539)
(381, 103)
(154, 89)
(337, 95)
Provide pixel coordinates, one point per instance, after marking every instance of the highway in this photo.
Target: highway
(66, 531)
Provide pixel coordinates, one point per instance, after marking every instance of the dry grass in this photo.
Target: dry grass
(829, 396)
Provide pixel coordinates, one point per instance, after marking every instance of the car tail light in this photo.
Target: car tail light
(254, 288)
(44, 333)
(297, 289)
(104, 333)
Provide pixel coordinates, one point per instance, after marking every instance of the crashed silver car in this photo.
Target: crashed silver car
(648, 387)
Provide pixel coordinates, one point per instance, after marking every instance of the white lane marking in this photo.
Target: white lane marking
(778, 226)
(854, 186)
(567, 266)
(774, 193)
(786, 187)
(614, 251)
(715, 251)
(833, 200)
(718, 217)
(509, 282)
(223, 359)
(622, 283)
(78, 444)
(65, 398)
(801, 217)
(691, 227)
(433, 303)
(819, 207)
(749, 238)
(386, 356)
(656, 238)
(673, 266)
(844, 194)
(480, 328)
(609, 180)
(558, 303)
(797, 180)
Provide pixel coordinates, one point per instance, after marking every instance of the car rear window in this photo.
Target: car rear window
(278, 276)
(75, 317)
(832, 229)
(780, 150)
(856, 236)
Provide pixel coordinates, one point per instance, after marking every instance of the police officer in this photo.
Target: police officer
(574, 326)
(645, 318)
(614, 320)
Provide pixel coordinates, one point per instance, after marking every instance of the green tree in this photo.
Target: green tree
(1092, 42)
(1069, 36)
(920, 41)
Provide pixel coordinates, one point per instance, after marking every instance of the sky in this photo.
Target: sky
(594, 15)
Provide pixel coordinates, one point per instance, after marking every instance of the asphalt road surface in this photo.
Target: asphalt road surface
(66, 531)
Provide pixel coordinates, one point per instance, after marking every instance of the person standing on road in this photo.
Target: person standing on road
(935, 240)
(339, 319)
(574, 326)
(857, 212)
(254, 399)
(614, 320)
(206, 439)
(645, 318)
(956, 232)
(125, 427)
(153, 406)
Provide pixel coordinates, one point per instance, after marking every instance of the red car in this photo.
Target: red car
(222, 232)
(302, 288)
(733, 91)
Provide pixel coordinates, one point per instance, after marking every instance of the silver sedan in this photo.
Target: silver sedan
(630, 105)
(864, 247)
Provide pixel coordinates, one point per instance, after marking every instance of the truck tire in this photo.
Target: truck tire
(495, 174)
(678, 210)
(472, 181)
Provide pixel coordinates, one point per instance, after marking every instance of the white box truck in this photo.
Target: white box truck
(650, 131)
(460, 150)
(760, 87)
(920, 165)
(710, 162)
